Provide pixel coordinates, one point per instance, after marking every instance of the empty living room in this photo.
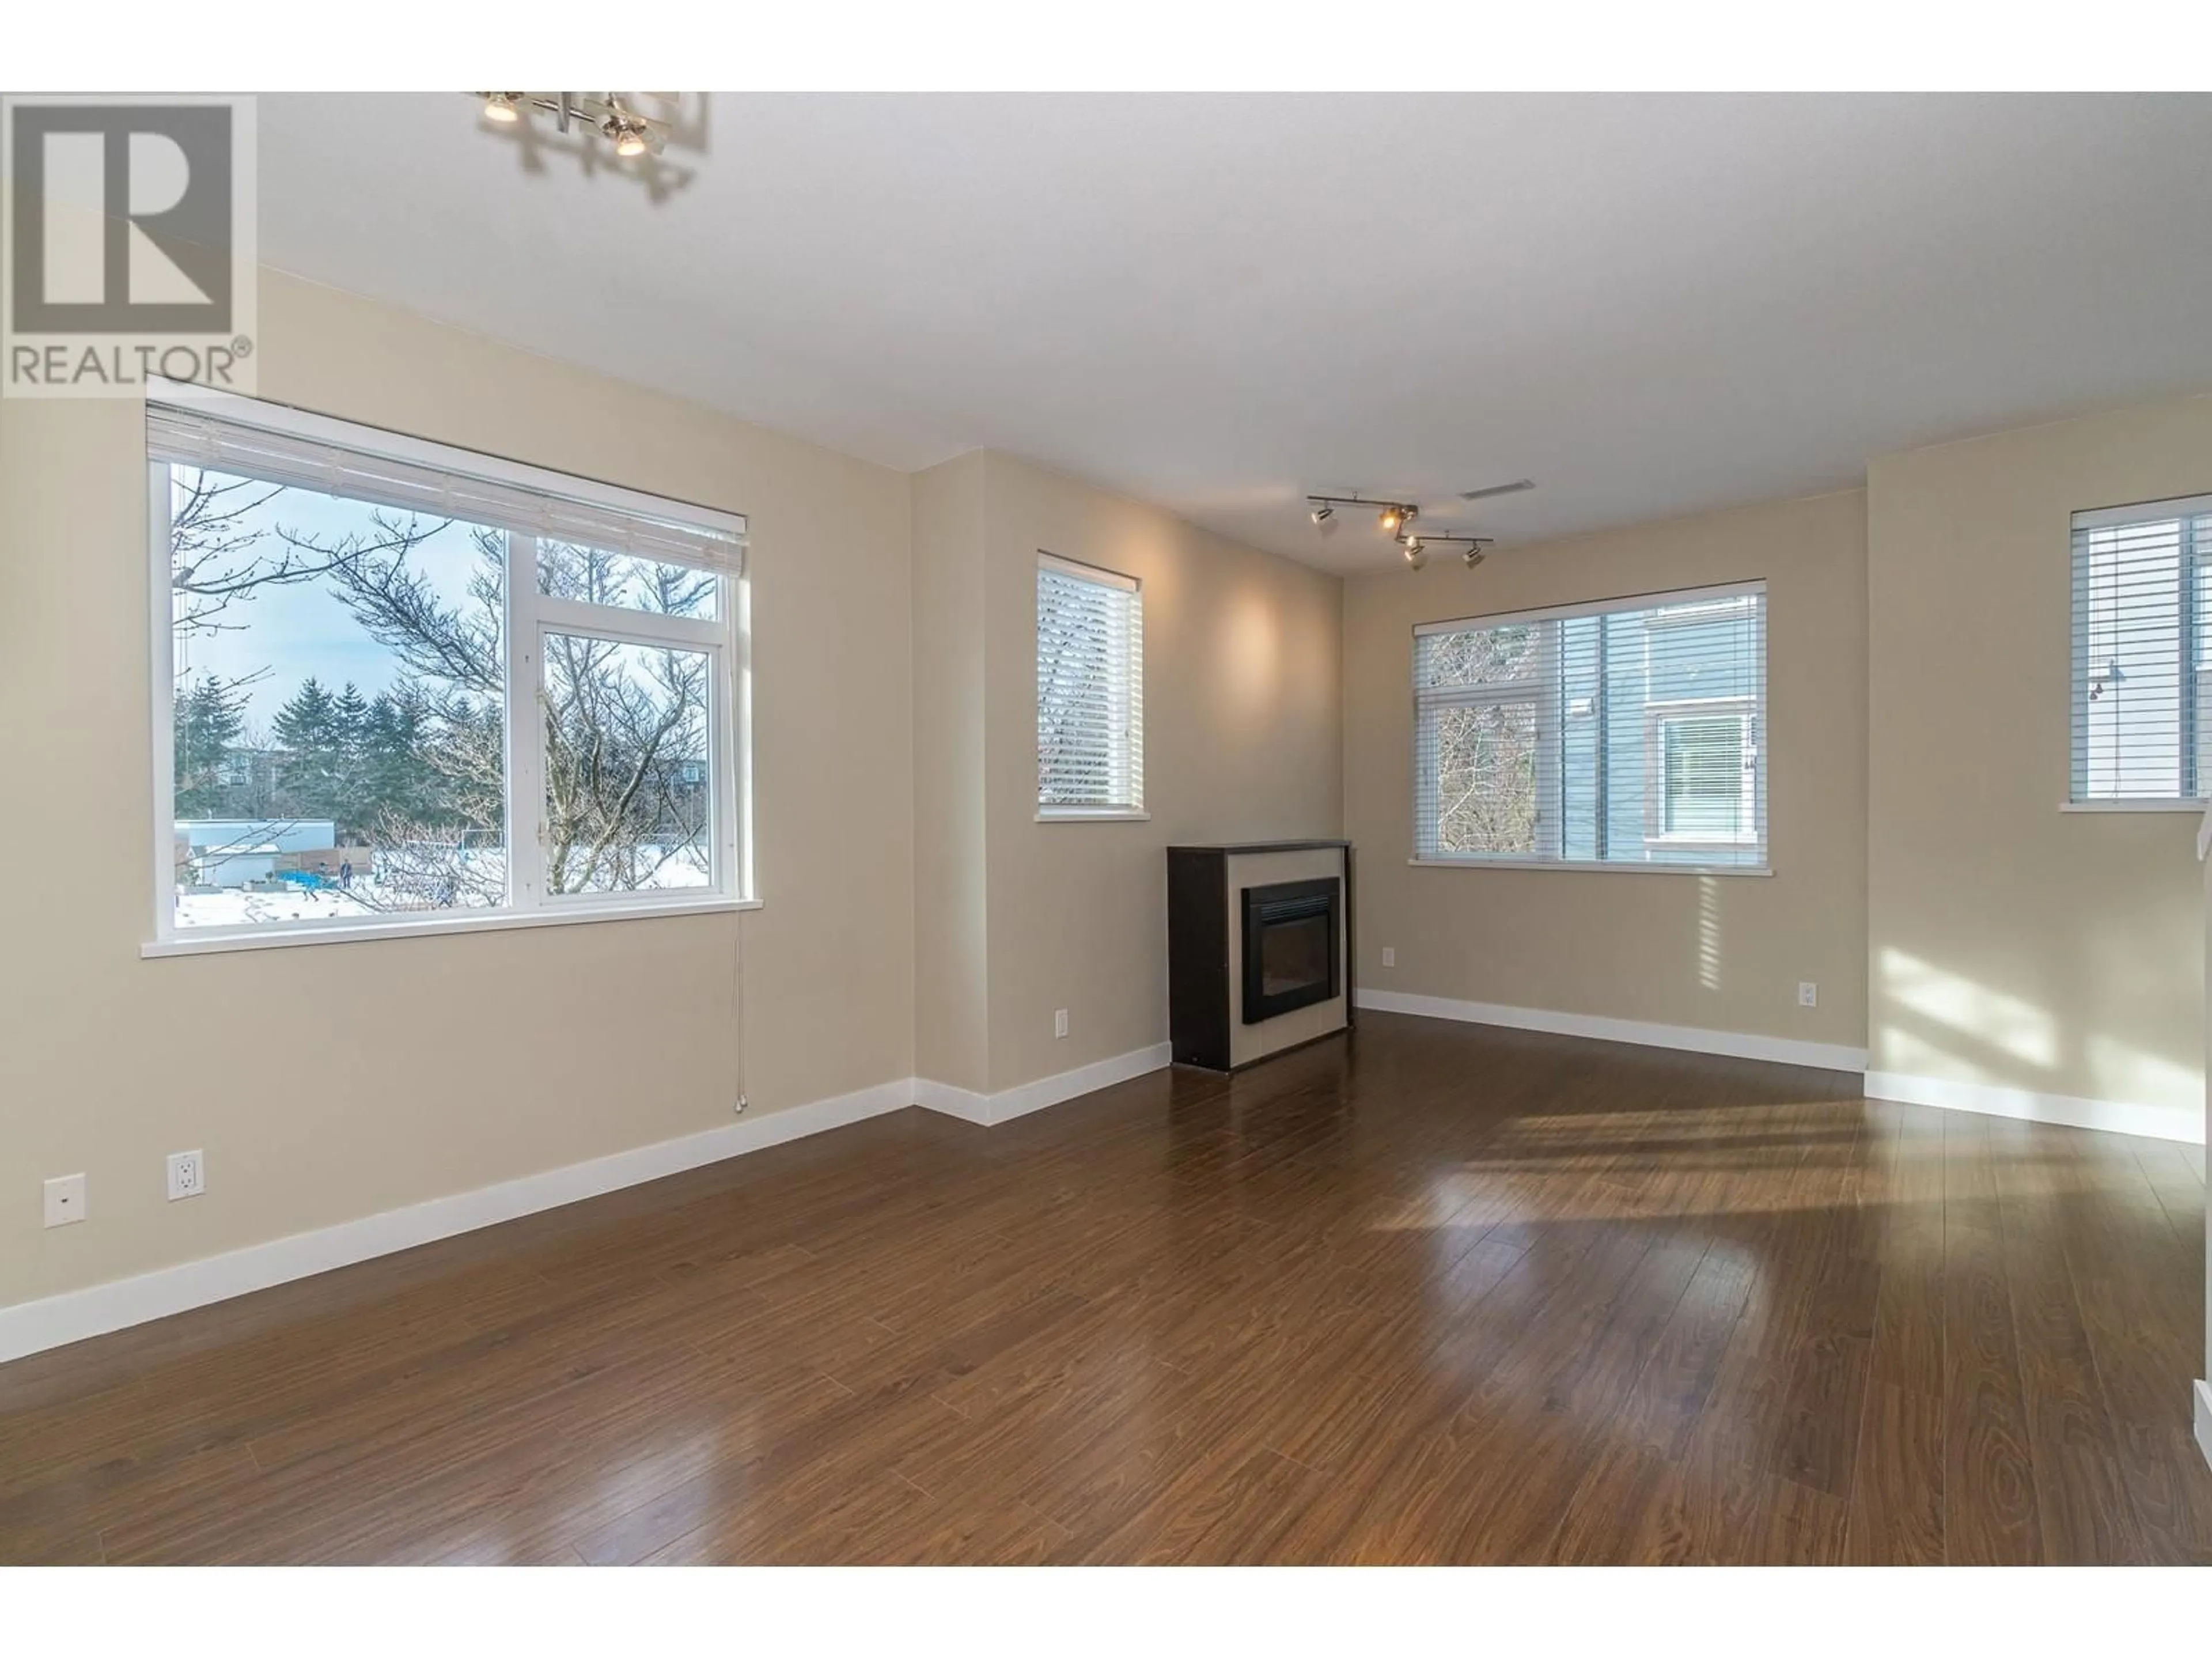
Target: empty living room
(1209, 829)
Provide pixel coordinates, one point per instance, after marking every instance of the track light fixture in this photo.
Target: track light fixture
(1396, 520)
(604, 113)
(1417, 548)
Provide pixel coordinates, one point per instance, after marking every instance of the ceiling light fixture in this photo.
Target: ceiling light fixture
(1396, 520)
(606, 114)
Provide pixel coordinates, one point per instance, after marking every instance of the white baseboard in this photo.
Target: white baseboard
(2071, 1111)
(30, 1326)
(963, 1104)
(1740, 1045)
(975, 1107)
(2203, 1392)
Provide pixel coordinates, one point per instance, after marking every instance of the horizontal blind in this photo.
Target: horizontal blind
(2140, 721)
(1629, 731)
(1090, 719)
(191, 437)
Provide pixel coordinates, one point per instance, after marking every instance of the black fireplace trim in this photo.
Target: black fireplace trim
(1290, 901)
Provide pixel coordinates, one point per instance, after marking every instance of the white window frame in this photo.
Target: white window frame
(2192, 553)
(1657, 716)
(1539, 688)
(530, 615)
(1683, 606)
(1127, 738)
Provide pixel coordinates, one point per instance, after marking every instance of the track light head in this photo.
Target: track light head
(504, 107)
(1323, 513)
(625, 133)
(1389, 520)
(1472, 557)
(1415, 556)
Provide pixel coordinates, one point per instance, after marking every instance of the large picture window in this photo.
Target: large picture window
(1627, 732)
(405, 686)
(2142, 588)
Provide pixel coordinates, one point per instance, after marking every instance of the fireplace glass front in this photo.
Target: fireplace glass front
(1291, 937)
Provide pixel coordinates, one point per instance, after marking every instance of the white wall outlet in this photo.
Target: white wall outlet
(1808, 994)
(187, 1175)
(1060, 1022)
(1389, 956)
(65, 1200)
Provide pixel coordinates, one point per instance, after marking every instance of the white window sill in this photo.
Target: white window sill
(274, 937)
(2145, 805)
(1594, 866)
(1091, 815)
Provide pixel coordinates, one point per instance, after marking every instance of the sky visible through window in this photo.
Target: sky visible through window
(284, 632)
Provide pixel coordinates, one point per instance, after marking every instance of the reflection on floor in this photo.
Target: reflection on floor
(1434, 1293)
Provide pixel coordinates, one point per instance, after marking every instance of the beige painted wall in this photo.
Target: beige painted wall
(951, 988)
(464, 1061)
(2010, 942)
(1721, 953)
(1242, 741)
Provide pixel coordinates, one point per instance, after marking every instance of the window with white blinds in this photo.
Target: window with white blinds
(2141, 720)
(1091, 692)
(1622, 732)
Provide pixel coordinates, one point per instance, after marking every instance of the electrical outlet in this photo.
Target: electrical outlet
(1389, 956)
(1060, 1022)
(1808, 994)
(65, 1200)
(187, 1175)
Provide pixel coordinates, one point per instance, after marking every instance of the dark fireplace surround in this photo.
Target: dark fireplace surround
(1293, 931)
(1259, 949)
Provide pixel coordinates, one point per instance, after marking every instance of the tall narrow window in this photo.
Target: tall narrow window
(1091, 692)
(2141, 721)
(1616, 733)
(409, 684)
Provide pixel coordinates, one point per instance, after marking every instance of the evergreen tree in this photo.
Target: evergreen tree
(308, 729)
(210, 715)
(396, 778)
(350, 805)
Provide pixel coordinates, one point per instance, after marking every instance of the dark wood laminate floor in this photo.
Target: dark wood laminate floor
(1435, 1293)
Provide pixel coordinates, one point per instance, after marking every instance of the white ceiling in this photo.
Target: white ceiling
(1651, 305)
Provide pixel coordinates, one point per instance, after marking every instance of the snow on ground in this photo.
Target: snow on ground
(235, 907)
